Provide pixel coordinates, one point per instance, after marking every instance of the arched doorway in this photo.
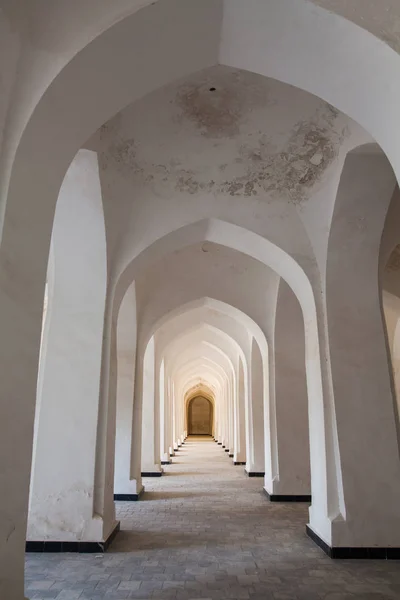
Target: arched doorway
(200, 416)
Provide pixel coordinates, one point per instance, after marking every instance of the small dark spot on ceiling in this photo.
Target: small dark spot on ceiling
(212, 89)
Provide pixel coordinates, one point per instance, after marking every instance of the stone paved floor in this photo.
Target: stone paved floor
(204, 530)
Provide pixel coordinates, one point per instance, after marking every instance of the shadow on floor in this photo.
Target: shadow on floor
(138, 541)
(171, 495)
(183, 473)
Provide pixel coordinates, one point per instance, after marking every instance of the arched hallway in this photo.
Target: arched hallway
(205, 530)
(199, 199)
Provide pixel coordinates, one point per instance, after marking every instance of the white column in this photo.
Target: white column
(63, 484)
(291, 400)
(164, 415)
(151, 413)
(239, 455)
(231, 405)
(360, 414)
(255, 460)
(170, 418)
(124, 484)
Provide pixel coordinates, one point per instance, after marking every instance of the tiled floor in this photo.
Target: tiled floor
(204, 530)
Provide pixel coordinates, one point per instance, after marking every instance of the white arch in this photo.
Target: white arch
(364, 83)
(227, 309)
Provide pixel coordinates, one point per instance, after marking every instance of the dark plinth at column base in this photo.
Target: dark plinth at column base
(230, 455)
(287, 497)
(254, 474)
(81, 547)
(219, 443)
(222, 446)
(166, 462)
(238, 463)
(356, 553)
(152, 473)
(226, 449)
(129, 497)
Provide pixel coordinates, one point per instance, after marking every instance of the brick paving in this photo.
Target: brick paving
(205, 530)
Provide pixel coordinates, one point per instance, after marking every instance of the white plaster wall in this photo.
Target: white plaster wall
(293, 449)
(240, 415)
(255, 450)
(126, 355)
(391, 307)
(150, 459)
(61, 506)
(359, 378)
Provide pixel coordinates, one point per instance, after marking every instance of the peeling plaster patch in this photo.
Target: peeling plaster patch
(216, 113)
(201, 142)
(187, 183)
(122, 153)
(393, 263)
(293, 170)
(217, 110)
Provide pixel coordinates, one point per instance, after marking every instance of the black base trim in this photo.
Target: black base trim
(151, 473)
(230, 455)
(166, 462)
(253, 474)
(219, 443)
(354, 553)
(81, 547)
(226, 449)
(129, 497)
(287, 498)
(239, 463)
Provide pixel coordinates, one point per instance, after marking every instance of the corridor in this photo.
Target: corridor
(205, 530)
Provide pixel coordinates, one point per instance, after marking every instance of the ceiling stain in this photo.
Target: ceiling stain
(296, 168)
(217, 105)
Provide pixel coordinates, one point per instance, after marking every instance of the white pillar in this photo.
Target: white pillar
(164, 415)
(151, 413)
(124, 484)
(255, 460)
(239, 455)
(291, 401)
(63, 483)
(362, 416)
(231, 415)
